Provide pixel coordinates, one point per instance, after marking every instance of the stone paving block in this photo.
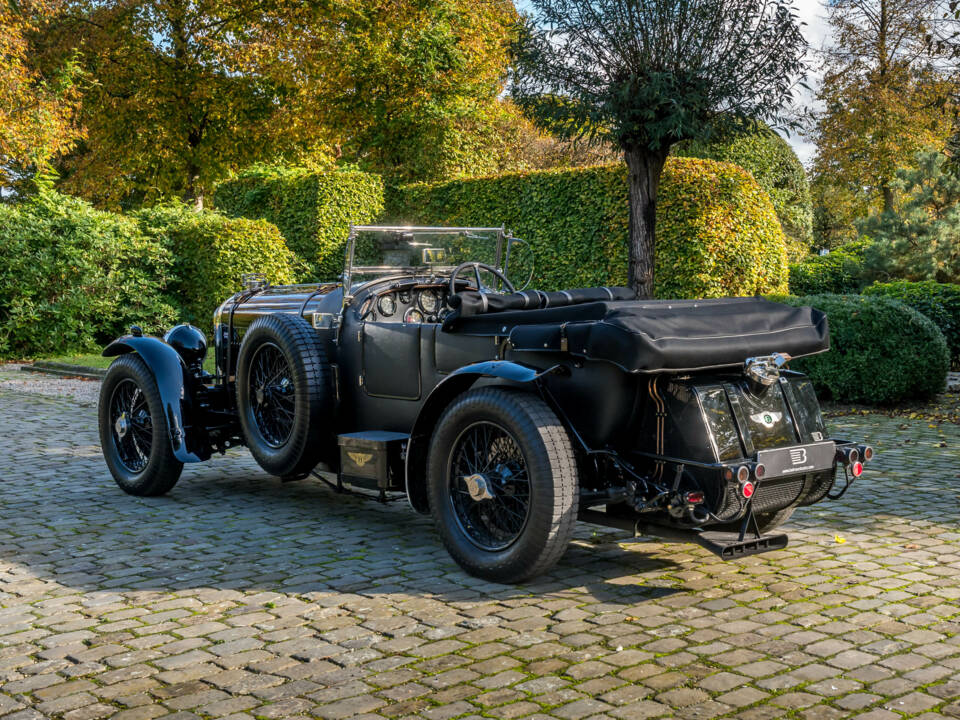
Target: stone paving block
(192, 605)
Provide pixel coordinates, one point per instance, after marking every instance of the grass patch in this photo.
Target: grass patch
(95, 360)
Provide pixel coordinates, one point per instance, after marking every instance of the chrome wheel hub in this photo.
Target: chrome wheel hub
(122, 425)
(479, 487)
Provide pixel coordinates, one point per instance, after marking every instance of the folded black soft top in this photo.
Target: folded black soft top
(654, 335)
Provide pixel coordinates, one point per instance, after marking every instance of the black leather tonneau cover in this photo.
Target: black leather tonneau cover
(654, 335)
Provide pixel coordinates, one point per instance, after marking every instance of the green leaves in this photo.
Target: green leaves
(918, 240)
(210, 252)
(648, 74)
(313, 211)
(717, 232)
(72, 278)
(881, 351)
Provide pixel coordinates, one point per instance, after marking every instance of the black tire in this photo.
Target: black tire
(489, 541)
(285, 424)
(133, 430)
(766, 522)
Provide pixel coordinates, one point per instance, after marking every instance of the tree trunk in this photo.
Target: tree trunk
(644, 167)
(887, 193)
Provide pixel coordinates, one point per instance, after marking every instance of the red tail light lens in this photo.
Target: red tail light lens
(857, 469)
(694, 498)
(759, 471)
(747, 489)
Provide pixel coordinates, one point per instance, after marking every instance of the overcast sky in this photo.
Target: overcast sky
(811, 12)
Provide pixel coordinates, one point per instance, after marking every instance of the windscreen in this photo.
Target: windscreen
(388, 252)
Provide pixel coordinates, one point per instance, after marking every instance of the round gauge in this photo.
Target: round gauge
(404, 296)
(429, 302)
(413, 316)
(387, 305)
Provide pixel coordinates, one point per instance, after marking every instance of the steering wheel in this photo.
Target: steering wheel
(477, 267)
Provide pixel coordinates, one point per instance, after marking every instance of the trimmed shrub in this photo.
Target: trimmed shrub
(717, 231)
(938, 301)
(773, 164)
(313, 210)
(882, 351)
(73, 278)
(211, 252)
(839, 272)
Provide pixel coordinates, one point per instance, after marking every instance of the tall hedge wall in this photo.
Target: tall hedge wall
(717, 232)
(312, 209)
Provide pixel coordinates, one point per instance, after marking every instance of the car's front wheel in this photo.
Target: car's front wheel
(502, 481)
(133, 429)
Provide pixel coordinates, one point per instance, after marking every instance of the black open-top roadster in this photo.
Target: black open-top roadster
(505, 415)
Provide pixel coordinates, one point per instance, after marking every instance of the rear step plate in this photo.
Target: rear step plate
(728, 545)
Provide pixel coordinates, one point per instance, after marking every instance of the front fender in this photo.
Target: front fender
(454, 384)
(170, 373)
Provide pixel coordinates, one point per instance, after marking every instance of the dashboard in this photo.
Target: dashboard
(417, 304)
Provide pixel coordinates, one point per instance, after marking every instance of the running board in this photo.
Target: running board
(726, 545)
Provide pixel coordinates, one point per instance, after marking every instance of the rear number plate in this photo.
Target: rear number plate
(798, 459)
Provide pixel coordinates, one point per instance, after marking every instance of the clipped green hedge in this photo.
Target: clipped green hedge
(773, 164)
(73, 278)
(882, 351)
(717, 233)
(938, 301)
(841, 271)
(312, 209)
(211, 252)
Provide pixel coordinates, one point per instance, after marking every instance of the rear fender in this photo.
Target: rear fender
(457, 382)
(170, 372)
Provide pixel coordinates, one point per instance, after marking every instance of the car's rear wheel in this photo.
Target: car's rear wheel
(133, 429)
(283, 394)
(502, 481)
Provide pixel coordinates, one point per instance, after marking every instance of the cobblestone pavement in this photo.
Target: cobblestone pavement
(240, 596)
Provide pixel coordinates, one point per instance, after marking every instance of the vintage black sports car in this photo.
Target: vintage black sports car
(505, 414)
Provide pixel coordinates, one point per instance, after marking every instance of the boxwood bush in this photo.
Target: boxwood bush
(312, 209)
(882, 351)
(938, 301)
(717, 233)
(211, 252)
(72, 278)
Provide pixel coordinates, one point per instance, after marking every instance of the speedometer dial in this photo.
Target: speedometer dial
(387, 305)
(413, 316)
(429, 301)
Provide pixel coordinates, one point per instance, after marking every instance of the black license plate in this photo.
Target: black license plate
(798, 459)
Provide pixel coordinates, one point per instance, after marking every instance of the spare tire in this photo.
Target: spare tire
(283, 394)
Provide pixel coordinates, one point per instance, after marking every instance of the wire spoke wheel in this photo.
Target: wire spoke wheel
(272, 391)
(131, 426)
(489, 486)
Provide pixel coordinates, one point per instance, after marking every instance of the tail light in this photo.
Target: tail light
(743, 474)
(848, 455)
(857, 469)
(747, 489)
(695, 497)
(759, 471)
(866, 452)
